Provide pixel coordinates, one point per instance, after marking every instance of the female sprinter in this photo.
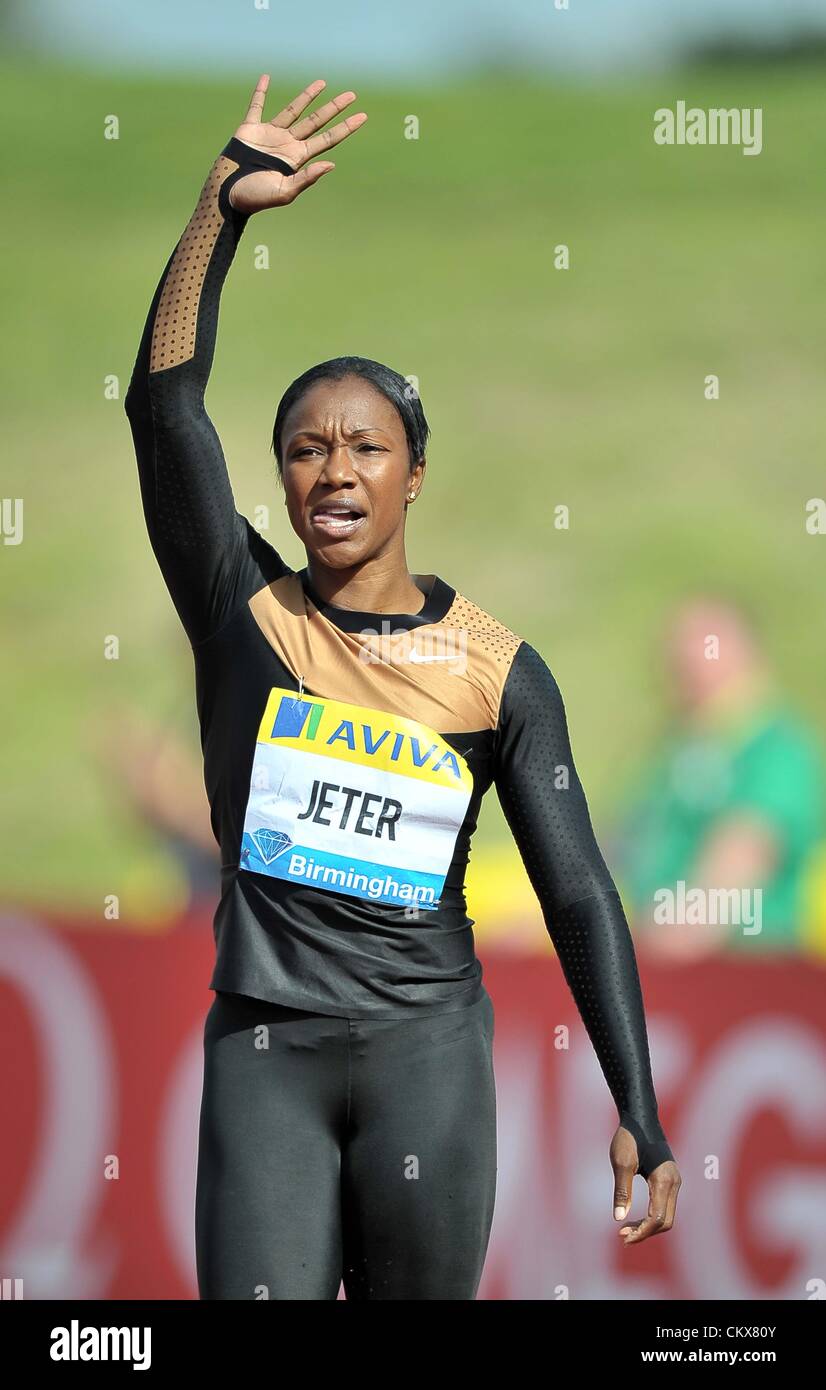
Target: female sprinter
(352, 717)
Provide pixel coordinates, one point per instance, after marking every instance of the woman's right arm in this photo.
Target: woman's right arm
(211, 558)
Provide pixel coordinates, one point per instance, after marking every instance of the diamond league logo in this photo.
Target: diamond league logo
(271, 843)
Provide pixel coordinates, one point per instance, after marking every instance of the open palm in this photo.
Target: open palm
(293, 140)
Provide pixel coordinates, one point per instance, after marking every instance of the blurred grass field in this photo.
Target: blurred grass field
(542, 387)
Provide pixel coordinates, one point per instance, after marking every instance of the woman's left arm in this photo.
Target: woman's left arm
(546, 809)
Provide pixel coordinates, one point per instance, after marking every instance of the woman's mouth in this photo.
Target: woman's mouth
(336, 521)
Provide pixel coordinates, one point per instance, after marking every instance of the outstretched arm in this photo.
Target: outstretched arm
(211, 558)
(545, 806)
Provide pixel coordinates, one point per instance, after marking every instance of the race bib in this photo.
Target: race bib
(353, 800)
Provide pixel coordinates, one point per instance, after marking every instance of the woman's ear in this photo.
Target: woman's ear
(416, 478)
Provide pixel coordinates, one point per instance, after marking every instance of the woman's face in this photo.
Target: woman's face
(346, 472)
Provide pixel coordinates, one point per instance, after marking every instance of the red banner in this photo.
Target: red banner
(101, 1045)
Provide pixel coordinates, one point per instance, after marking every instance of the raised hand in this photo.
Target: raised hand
(295, 141)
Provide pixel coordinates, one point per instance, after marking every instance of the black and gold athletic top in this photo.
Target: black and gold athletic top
(346, 753)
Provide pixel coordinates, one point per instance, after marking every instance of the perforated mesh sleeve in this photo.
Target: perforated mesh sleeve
(211, 558)
(545, 806)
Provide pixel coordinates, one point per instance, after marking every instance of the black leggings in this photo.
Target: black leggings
(344, 1149)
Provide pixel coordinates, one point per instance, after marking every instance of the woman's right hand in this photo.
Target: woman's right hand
(294, 143)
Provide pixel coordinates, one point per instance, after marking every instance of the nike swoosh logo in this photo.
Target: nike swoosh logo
(418, 656)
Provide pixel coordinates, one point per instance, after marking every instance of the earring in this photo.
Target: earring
(412, 496)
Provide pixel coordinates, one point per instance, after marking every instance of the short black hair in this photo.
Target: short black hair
(397, 389)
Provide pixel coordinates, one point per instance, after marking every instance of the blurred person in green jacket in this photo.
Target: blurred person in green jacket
(730, 802)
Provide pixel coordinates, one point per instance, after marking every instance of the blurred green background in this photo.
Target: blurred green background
(435, 255)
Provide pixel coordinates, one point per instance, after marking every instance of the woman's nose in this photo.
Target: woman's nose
(340, 460)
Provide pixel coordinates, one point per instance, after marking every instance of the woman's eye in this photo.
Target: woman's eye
(312, 449)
